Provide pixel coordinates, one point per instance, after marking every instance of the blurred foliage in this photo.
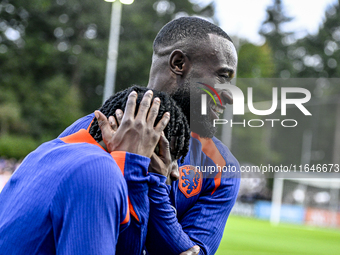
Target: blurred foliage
(141, 22)
(15, 146)
(277, 38)
(250, 145)
(255, 61)
(320, 53)
(311, 56)
(53, 59)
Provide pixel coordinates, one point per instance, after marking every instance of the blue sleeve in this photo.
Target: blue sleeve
(135, 168)
(203, 224)
(89, 208)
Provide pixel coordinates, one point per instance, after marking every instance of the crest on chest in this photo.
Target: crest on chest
(190, 180)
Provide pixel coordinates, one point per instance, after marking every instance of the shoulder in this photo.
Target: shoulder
(89, 172)
(226, 153)
(82, 123)
(223, 180)
(90, 159)
(82, 160)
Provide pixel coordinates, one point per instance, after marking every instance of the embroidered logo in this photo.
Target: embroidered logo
(190, 180)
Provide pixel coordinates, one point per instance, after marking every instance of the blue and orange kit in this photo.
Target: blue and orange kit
(70, 196)
(193, 210)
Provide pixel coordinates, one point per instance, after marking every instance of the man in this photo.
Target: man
(187, 50)
(74, 195)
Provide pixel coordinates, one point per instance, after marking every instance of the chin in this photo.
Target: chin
(203, 127)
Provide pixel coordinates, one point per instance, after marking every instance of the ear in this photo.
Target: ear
(179, 62)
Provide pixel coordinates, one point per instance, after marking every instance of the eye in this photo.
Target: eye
(225, 77)
(226, 74)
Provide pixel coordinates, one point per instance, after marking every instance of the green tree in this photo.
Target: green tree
(255, 61)
(141, 22)
(318, 56)
(53, 58)
(277, 38)
(319, 53)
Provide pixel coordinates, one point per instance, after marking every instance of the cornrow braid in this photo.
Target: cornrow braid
(177, 127)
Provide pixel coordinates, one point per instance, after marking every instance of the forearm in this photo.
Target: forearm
(163, 223)
(134, 168)
(202, 224)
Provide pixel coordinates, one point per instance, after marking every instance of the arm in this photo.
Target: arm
(202, 225)
(134, 167)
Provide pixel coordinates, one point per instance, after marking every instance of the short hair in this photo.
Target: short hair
(177, 126)
(192, 28)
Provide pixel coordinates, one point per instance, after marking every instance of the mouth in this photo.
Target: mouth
(216, 109)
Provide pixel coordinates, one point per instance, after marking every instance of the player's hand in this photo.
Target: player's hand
(161, 160)
(192, 251)
(114, 124)
(135, 134)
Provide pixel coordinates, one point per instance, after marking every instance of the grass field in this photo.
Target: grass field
(251, 236)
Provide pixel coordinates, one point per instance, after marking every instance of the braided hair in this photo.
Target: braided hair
(177, 126)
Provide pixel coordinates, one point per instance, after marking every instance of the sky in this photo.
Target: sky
(243, 18)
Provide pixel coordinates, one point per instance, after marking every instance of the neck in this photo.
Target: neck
(162, 83)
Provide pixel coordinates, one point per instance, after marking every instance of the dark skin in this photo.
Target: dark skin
(137, 134)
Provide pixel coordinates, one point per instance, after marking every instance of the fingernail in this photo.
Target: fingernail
(197, 249)
(167, 114)
(96, 114)
(157, 100)
(118, 113)
(133, 93)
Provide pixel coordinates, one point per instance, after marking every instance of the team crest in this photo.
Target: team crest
(190, 180)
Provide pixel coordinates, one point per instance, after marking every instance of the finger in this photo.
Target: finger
(113, 123)
(153, 161)
(153, 111)
(192, 251)
(174, 174)
(164, 148)
(104, 125)
(144, 105)
(130, 106)
(157, 165)
(163, 122)
(119, 116)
